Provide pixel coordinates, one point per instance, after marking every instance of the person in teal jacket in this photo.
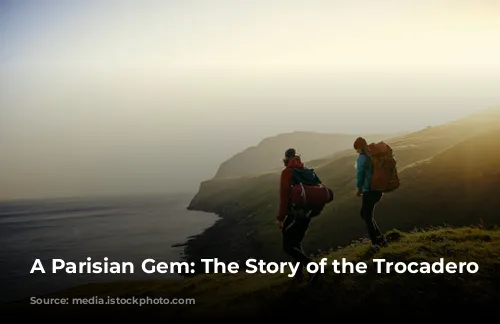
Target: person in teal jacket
(369, 198)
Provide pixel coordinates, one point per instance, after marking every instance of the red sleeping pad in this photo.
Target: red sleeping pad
(310, 196)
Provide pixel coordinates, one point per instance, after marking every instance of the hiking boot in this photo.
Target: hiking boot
(381, 241)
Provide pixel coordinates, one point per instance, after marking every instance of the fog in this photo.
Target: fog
(108, 97)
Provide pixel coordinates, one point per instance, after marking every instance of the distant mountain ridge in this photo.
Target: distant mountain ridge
(266, 156)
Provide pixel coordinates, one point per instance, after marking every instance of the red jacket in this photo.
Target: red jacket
(285, 185)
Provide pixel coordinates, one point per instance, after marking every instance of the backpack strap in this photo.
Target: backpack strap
(303, 194)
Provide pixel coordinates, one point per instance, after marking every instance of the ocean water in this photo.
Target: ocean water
(119, 228)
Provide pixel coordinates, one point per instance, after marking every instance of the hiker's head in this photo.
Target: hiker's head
(289, 154)
(360, 144)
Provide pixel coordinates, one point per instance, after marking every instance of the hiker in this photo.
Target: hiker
(293, 220)
(369, 196)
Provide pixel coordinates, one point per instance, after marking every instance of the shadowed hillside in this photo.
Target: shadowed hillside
(448, 175)
(390, 296)
(266, 156)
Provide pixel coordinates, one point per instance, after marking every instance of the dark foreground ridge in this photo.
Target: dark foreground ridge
(389, 297)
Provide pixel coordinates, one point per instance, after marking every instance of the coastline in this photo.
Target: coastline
(232, 238)
(104, 227)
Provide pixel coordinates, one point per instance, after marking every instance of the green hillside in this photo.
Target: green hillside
(392, 297)
(448, 173)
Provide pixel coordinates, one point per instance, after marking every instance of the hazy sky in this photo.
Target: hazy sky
(122, 96)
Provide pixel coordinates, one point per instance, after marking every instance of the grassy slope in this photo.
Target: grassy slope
(428, 195)
(393, 295)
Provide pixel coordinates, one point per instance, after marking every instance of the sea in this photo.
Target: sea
(123, 229)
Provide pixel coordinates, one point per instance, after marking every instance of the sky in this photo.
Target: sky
(146, 96)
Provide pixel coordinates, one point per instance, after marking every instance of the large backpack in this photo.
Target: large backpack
(308, 191)
(384, 167)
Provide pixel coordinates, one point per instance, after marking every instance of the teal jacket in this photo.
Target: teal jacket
(363, 173)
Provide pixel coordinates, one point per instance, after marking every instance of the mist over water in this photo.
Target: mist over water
(122, 229)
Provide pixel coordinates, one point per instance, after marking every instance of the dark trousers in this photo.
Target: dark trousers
(294, 229)
(369, 202)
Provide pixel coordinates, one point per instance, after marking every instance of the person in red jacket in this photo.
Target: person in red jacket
(293, 223)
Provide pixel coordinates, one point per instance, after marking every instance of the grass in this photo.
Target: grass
(257, 296)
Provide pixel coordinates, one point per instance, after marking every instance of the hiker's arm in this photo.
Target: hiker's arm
(285, 182)
(360, 172)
